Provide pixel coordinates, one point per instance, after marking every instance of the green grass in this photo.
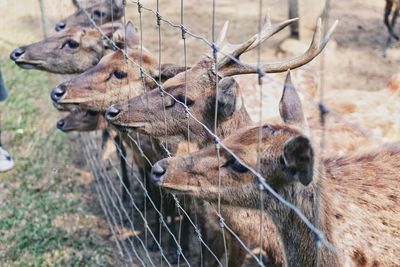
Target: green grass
(44, 186)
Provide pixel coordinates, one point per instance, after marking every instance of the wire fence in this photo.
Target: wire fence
(153, 234)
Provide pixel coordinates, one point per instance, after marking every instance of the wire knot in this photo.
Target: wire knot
(158, 16)
(198, 232)
(184, 31)
(186, 112)
(221, 221)
(260, 72)
(139, 7)
(260, 183)
(323, 110)
(179, 251)
(217, 142)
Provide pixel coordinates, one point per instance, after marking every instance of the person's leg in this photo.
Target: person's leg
(6, 163)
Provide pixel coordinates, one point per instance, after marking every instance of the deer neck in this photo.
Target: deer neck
(240, 118)
(299, 241)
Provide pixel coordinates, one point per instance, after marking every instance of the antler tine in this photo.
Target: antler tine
(267, 31)
(317, 45)
(222, 34)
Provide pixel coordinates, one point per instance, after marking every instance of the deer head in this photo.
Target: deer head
(101, 11)
(286, 159)
(146, 112)
(82, 121)
(68, 52)
(114, 79)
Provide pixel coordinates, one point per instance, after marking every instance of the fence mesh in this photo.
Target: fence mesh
(132, 220)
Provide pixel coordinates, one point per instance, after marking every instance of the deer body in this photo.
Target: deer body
(352, 199)
(143, 113)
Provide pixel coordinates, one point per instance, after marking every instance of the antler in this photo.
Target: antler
(229, 67)
(235, 50)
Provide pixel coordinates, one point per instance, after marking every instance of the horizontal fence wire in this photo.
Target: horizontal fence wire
(103, 194)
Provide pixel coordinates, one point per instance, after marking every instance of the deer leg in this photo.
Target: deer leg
(156, 197)
(394, 19)
(389, 26)
(237, 254)
(124, 171)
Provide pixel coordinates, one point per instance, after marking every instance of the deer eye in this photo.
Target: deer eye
(235, 165)
(189, 102)
(71, 44)
(99, 13)
(119, 74)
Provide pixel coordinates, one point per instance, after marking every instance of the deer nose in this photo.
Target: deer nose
(58, 93)
(112, 113)
(17, 53)
(60, 124)
(157, 172)
(60, 26)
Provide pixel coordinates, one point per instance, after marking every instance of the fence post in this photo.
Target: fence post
(43, 19)
(294, 13)
(308, 12)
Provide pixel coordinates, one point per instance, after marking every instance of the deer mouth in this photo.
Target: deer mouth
(59, 107)
(28, 64)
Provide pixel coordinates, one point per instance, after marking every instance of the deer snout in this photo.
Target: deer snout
(60, 26)
(17, 53)
(112, 113)
(61, 124)
(58, 93)
(157, 172)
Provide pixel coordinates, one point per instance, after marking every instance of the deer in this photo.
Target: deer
(112, 80)
(144, 113)
(100, 12)
(71, 51)
(352, 199)
(82, 121)
(392, 8)
(88, 121)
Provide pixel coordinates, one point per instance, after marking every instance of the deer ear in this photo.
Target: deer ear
(76, 3)
(114, 31)
(168, 71)
(227, 93)
(290, 107)
(298, 159)
(118, 7)
(132, 39)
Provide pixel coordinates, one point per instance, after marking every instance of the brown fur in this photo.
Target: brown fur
(82, 121)
(52, 54)
(351, 194)
(108, 14)
(357, 208)
(100, 87)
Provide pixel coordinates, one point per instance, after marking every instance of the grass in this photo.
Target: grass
(46, 211)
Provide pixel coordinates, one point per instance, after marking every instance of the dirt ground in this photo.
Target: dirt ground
(353, 61)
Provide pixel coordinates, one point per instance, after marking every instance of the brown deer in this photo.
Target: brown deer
(112, 80)
(82, 121)
(352, 199)
(147, 116)
(392, 8)
(100, 11)
(71, 51)
(87, 121)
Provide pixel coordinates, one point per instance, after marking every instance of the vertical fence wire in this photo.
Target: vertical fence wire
(263, 185)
